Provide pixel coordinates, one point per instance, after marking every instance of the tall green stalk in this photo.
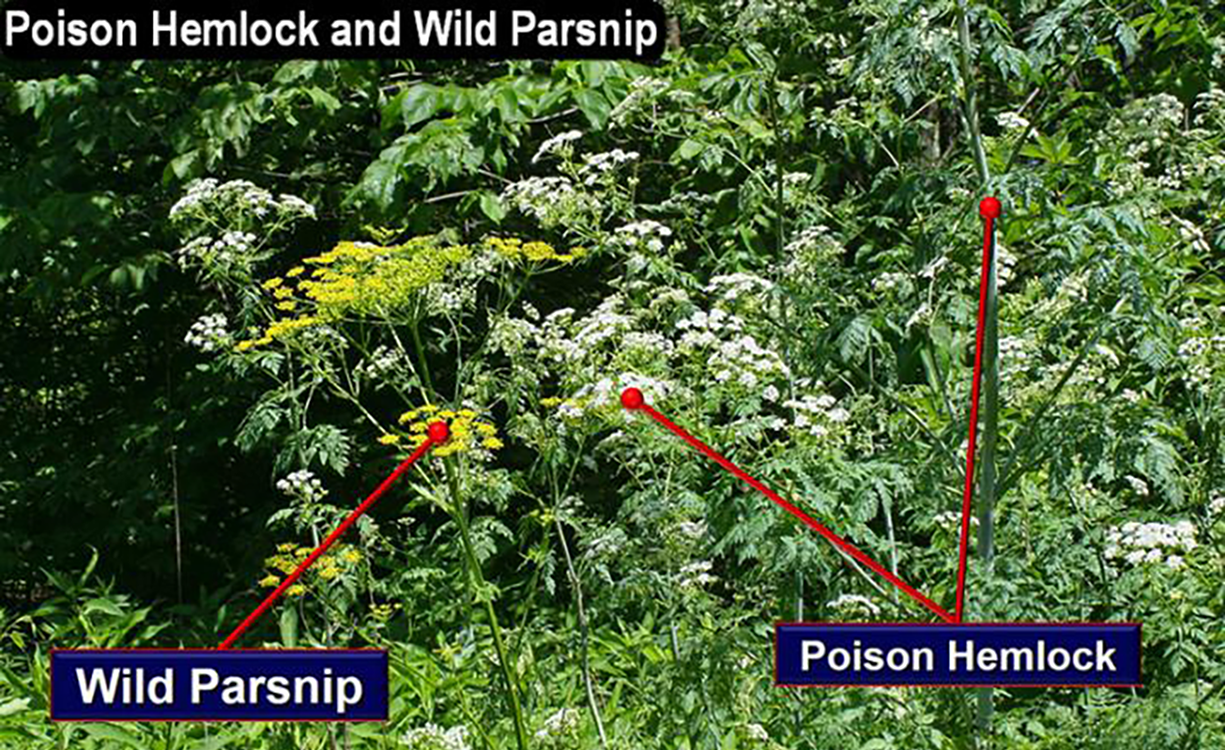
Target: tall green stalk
(987, 477)
(988, 482)
(970, 94)
(478, 580)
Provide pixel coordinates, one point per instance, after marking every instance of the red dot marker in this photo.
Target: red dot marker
(989, 207)
(632, 398)
(438, 432)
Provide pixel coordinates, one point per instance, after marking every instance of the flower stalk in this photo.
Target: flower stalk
(458, 512)
(987, 478)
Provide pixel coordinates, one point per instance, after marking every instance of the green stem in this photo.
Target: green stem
(581, 610)
(970, 94)
(991, 372)
(474, 569)
(420, 349)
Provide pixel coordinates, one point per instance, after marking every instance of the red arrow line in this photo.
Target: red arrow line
(989, 209)
(437, 435)
(632, 399)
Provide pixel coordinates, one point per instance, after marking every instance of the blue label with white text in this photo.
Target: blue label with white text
(1016, 655)
(217, 685)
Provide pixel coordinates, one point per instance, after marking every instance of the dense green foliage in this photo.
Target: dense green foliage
(235, 292)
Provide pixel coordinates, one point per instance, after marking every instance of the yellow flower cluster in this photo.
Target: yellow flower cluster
(363, 278)
(280, 329)
(383, 612)
(516, 249)
(289, 556)
(357, 278)
(468, 431)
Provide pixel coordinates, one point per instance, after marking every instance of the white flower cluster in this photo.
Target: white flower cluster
(511, 335)
(1211, 104)
(922, 315)
(756, 16)
(736, 357)
(1216, 506)
(550, 200)
(647, 342)
(459, 289)
(606, 545)
(445, 299)
(1005, 263)
(730, 287)
(696, 575)
(796, 179)
(561, 340)
(1143, 134)
(745, 361)
(561, 724)
(606, 392)
(596, 166)
(231, 247)
(199, 192)
(813, 251)
(1140, 543)
(208, 196)
(1138, 485)
(889, 281)
(383, 361)
(854, 603)
(302, 485)
(817, 415)
(1017, 355)
(1200, 353)
(208, 333)
(648, 234)
(1159, 112)
(812, 239)
(951, 519)
(558, 143)
(1194, 236)
(756, 733)
(692, 529)
(1011, 121)
(434, 737)
(704, 329)
(644, 91)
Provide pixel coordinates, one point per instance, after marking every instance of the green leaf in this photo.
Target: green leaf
(492, 206)
(289, 626)
(688, 149)
(323, 99)
(1127, 39)
(100, 604)
(113, 733)
(507, 102)
(379, 182)
(853, 341)
(295, 70)
(15, 706)
(418, 104)
(594, 106)
(183, 167)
